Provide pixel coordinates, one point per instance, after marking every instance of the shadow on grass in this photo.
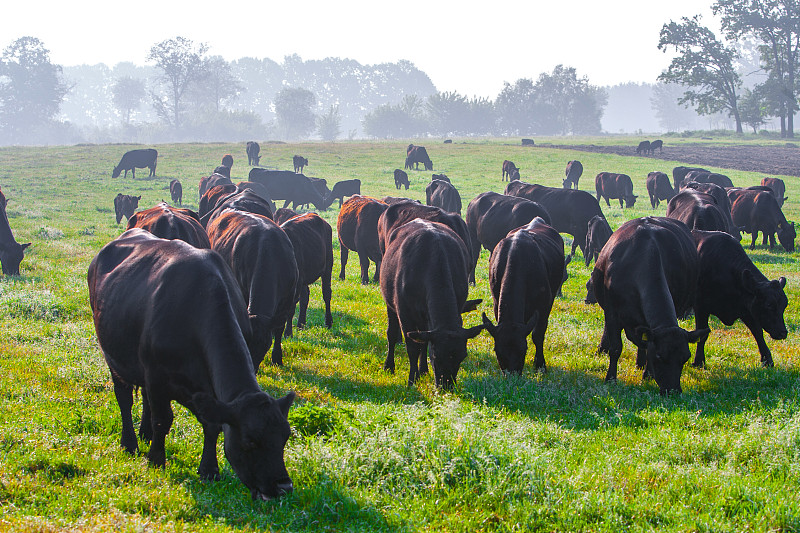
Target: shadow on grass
(777, 256)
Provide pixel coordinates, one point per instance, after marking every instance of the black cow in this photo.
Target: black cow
(610, 185)
(343, 188)
(283, 214)
(416, 155)
(644, 147)
(658, 143)
(510, 171)
(490, 216)
(169, 222)
(679, 174)
(659, 188)
(11, 252)
(288, 186)
(170, 319)
(223, 170)
(400, 178)
(570, 210)
(708, 177)
(125, 205)
(176, 191)
(258, 189)
(424, 284)
(442, 177)
(312, 240)
(443, 194)
(357, 226)
(391, 200)
(213, 196)
(731, 287)
(755, 211)
(227, 161)
(242, 200)
(645, 277)
(526, 270)
(573, 174)
(778, 188)
(262, 259)
(299, 163)
(252, 151)
(721, 196)
(697, 210)
(143, 158)
(597, 234)
(209, 182)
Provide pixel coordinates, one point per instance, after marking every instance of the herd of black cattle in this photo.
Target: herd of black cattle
(186, 304)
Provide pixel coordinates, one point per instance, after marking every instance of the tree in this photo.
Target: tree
(568, 103)
(182, 65)
(776, 23)
(705, 65)
(128, 94)
(219, 85)
(31, 87)
(448, 113)
(293, 109)
(516, 108)
(671, 115)
(753, 108)
(329, 125)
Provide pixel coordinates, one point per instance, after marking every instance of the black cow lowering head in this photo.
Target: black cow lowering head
(511, 342)
(787, 235)
(667, 352)
(767, 301)
(11, 254)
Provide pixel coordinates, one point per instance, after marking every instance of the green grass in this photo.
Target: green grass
(555, 451)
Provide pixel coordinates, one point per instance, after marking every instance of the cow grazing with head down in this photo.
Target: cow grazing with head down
(490, 216)
(357, 226)
(289, 186)
(169, 222)
(658, 143)
(659, 188)
(142, 158)
(510, 171)
(573, 174)
(11, 252)
(252, 149)
(697, 210)
(708, 177)
(242, 200)
(679, 174)
(597, 234)
(391, 200)
(416, 155)
(526, 270)
(646, 277)
(299, 163)
(176, 191)
(262, 259)
(721, 196)
(400, 179)
(125, 205)
(778, 188)
(187, 343)
(610, 185)
(755, 211)
(731, 287)
(209, 182)
(424, 284)
(442, 194)
(343, 188)
(643, 147)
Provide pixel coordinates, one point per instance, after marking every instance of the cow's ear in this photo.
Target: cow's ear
(785, 198)
(643, 334)
(285, 403)
(697, 335)
(469, 333)
(531, 323)
(212, 411)
(748, 281)
(420, 336)
(491, 328)
(471, 305)
(28, 244)
(139, 197)
(782, 282)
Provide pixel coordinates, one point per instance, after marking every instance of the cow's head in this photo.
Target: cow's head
(511, 342)
(787, 235)
(428, 164)
(630, 200)
(590, 296)
(256, 430)
(125, 205)
(667, 352)
(11, 254)
(767, 302)
(116, 172)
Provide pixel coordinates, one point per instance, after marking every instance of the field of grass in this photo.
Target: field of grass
(556, 451)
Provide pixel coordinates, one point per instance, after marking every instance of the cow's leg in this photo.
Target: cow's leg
(277, 350)
(392, 337)
(700, 322)
(304, 296)
(288, 331)
(124, 395)
(753, 241)
(286, 203)
(377, 277)
(162, 422)
(414, 350)
(423, 360)
(537, 337)
(758, 334)
(343, 253)
(363, 260)
(575, 246)
(133, 173)
(146, 424)
(612, 335)
(209, 467)
(620, 203)
(326, 297)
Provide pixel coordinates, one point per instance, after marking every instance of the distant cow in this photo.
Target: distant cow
(679, 174)
(709, 177)
(169, 222)
(526, 270)
(755, 211)
(227, 160)
(262, 259)
(646, 277)
(510, 171)
(443, 194)
(343, 188)
(731, 287)
(424, 284)
(400, 179)
(597, 234)
(416, 155)
(778, 187)
(659, 188)
(490, 216)
(527, 142)
(143, 158)
(573, 174)
(658, 143)
(644, 147)
(299, 163)
(610, 185)
(170, 319)
(176, 191)
(125, 205)
(289, 186)
(357, 226)
(11, 252)
(252, 151)
(697, 210)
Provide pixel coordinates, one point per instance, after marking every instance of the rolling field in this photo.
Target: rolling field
(559, 451)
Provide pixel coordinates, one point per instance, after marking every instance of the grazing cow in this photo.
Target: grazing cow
(312, 240)
(778, 187)
(125, 205)
(573, 174)
(597, 234)
(289, 186)
(527, 142)
(659, 188)
(570, 209)
(143, 158)
(170, 319)
(257, 188)
(176, 192)
(169, 222)
(209, 182)
(443, 194)
(391, 200)
(679, 174)
(645, 277)
(343, 188)
(490, 216)
(721, 196)
(262, 259)
(252, 151)
(357, 226)
(658, 143)
(644, 147)
(755, 211)
(242, 200)
(400, 178)
(442, 177)
(11, 252)
(416, 155)
(610, 185)
(299, 163)
(424, 284)
(510, 171)
(526, 270)
(227, 161)
(709, 177)
(223, 170)
(697, 210)
(731, 287)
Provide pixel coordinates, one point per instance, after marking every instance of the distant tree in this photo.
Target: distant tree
(705, 65)
(329, 125)
(31, 87)
(219, 85)
(482, 116)
(405, 119)
(572, 105)
(671, 115)
(128, 94)
(294, 112)
(753, 108)
(182, 65)
(517, 108)
(448, 113)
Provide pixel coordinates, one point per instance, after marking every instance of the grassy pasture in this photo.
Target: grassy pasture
(554, 451)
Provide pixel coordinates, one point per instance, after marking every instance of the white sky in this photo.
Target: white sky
(468, 46)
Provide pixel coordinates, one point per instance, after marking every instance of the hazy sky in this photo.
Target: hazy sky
(467, 46)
